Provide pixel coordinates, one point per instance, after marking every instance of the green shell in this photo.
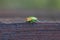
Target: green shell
(34, 19)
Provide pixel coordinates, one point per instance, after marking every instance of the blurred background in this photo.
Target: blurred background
(43, 9)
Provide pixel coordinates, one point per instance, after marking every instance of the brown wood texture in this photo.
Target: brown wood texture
(25, 31)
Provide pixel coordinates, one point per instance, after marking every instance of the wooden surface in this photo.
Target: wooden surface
(25, 31)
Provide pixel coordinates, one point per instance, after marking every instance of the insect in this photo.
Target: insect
(32, 19)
